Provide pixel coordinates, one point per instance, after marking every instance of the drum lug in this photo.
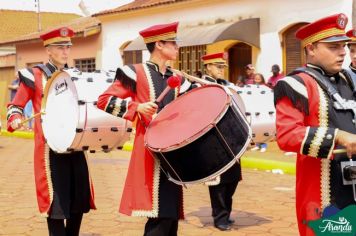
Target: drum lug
(81, 102)
(253, 135)
(78, 130)
(92, 151)
(263, 92)
(119, 148)
(249, 92)
(247, 113)
(114, 129)
(85, 148)
(95, 103)
(74, 78)
(129, 130)
(94, 130)
(257, 113)
(105, 147)
(110, 80)
(271, 112)
(90, 80)
(266, 134)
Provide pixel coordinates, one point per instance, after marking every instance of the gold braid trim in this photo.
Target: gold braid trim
(325, 183)
(325, 163)
(323, 125)
(155, 192)
(151, 88)
(165, 36)
(322, 35)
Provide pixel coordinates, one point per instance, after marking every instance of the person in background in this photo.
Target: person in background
(14, 86)
(352, 48)
(198, 74)
(276, 75)
(259, 79)
(221, 189)
(248, 78)
(28, 113)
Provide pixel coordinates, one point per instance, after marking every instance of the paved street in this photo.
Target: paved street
(263, 204)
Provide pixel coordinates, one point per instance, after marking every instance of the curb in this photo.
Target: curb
(279, 167)
(246, 161)
(18, 134)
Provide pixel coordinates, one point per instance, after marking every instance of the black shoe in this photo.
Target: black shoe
(223, 227)
(230, 221)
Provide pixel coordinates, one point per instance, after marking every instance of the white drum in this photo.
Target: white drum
(260, 110)
(72, 122)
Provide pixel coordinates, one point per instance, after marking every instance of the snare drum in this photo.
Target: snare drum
(260, 110)
(199, 135)
(72, 122)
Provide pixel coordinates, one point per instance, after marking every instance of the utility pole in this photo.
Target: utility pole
(37, 4)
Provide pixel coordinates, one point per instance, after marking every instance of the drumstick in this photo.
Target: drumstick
(338, 151)
(192, 78)
(31, 117)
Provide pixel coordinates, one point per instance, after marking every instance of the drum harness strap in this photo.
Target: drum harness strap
(339, 102)
(45, 70)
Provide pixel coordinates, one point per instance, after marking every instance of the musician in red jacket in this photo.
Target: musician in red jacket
(63, 185)
(314, 117)
(147, 191)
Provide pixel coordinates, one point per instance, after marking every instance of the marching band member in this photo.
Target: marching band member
(352, 47)
(63, 185)
(221, 189)
(147, 191)
(312, 120)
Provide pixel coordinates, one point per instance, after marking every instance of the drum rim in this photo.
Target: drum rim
(200, 133)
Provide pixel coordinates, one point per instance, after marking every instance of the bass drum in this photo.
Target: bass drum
(199, 135)
(260, 111)
(72, 122)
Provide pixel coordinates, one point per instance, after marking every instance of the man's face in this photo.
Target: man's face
(329, 56)
(352, 49)
(168, 49)
(58, 54)
(216, 70)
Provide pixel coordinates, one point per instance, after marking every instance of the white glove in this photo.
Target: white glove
(16, 124)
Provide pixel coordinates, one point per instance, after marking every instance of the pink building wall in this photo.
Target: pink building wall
(34, 52)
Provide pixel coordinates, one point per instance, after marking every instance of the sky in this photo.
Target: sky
(67, 6)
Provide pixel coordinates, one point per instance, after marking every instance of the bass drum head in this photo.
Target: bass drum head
(184, 119)
(61, 116)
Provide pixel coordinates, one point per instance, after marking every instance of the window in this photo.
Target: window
(132, 57)
(293, 52)
(85, 65)
(190, 59)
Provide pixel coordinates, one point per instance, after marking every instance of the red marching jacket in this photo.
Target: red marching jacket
(32, 83)
(140, 194)
(307, 124)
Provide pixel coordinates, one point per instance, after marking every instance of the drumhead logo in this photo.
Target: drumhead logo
(61, 87)
(341, 223)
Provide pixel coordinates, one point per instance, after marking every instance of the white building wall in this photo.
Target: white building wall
(275, 16)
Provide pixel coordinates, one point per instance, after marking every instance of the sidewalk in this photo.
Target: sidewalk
(263, 204)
